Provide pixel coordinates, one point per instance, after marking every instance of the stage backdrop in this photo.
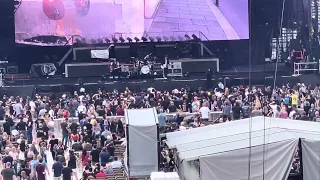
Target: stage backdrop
(106, 18)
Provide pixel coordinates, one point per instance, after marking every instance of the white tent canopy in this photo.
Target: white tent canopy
(141, 132)
(223, 148)
(204, 141)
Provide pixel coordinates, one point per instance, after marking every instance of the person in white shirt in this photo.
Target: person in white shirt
(82, 109)
(204, 112)
(32, 108)
(292, 113)
(51, 113)
(18, 109)
(115, 164)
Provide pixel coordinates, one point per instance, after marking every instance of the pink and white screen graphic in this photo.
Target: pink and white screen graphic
(133, 18)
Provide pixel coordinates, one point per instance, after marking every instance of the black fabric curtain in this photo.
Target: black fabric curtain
(23, 91)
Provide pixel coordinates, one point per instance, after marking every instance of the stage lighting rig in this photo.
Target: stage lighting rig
(151, 38)
(121, 39)
(158, 39)
(108, 40)
(114, 39)
(129, 39)
(16, 4)
(187, 37)
(195, 37)
(144, 39)
(136, 39)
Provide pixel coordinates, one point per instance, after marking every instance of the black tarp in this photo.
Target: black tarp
(18, 91)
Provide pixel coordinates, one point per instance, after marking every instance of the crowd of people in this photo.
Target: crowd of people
(92, 143)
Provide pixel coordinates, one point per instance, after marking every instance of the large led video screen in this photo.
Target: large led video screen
(133, 18)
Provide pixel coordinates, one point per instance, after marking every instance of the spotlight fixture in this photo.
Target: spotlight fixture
(187, 37)
(144, 39)
(151, 38)
(108, 40)
(129, 39)
(136, 39)
(158, 39)
(195, 37)
(114, 39)
(121, 39)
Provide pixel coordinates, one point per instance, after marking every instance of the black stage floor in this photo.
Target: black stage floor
(260, 75)
(239, 72)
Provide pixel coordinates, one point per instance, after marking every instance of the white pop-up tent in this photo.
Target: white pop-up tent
(256, 148)
(142, 134)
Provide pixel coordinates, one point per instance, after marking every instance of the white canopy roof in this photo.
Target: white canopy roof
(141, 117)
(205, 141)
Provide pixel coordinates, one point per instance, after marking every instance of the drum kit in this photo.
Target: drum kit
(144, 67)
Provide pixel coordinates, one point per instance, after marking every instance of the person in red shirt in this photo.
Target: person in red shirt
(101, 174)
(66, 114)
(120, 111)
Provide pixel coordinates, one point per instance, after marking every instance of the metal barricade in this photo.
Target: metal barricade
(57, 122)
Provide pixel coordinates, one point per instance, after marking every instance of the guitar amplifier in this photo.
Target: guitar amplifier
(175, 69)
(175, 65)
(12, 69)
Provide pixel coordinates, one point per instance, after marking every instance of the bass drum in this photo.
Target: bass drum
(145, 70)
(53, 9)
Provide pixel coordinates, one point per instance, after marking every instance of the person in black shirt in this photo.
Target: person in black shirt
(236, 111)
(66, 172)
(74, 127)
(7, 126)
(57, 168)
(95, 155)
(65, 132)
(72, 163)
(40, 131)
(29, 130)
(21, 126)
(53, 146)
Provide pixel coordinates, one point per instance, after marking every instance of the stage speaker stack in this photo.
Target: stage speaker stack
(7, 32)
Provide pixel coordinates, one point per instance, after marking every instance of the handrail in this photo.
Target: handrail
(301, 66)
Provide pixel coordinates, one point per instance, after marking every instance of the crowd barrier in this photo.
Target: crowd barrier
(57, 122)
(213, 115)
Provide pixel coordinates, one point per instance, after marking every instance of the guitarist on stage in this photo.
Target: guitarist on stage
(115, 69)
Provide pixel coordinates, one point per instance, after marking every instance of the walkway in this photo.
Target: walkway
(192, 15)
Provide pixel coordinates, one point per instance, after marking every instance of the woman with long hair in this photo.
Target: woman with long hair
(84, 158)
